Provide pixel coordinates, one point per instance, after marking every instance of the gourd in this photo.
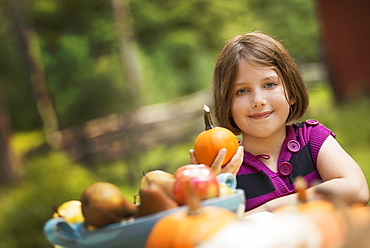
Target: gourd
(359, 226)
(189, 227)
(209, 142)
(328, 215)
(329, 220)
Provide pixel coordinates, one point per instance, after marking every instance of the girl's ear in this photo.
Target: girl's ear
(291, 101)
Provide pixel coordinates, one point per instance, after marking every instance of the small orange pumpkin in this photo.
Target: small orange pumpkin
(209, 142)
(359, 226)
(189, 227)
(327, 215)
(329, 220)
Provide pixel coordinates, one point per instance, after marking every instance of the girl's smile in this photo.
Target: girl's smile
(261, 115)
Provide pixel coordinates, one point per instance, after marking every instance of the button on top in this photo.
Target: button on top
(312, 122)
(293, 146)
(285, 168)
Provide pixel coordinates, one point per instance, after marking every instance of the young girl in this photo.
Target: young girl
(258, 92)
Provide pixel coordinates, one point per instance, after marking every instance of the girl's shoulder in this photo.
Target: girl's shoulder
(309, 125)
(311, 131)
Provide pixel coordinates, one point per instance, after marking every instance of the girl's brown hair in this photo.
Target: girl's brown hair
(260, 50)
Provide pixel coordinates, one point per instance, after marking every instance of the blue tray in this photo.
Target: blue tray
(131, 234)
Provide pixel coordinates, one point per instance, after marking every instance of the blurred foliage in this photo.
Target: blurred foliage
(177, 40)
(47, 179)
(23, 142)
(293, 22)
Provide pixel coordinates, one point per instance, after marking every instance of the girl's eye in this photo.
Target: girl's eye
(270, 85)
(241, 92)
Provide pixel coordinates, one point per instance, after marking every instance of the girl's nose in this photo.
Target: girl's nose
(259, 100)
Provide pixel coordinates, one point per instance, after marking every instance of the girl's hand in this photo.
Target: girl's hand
(231, 167)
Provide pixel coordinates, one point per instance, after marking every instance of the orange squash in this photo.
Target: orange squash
(189, 227)
(209, 142)
(328, 216)
(329, 220)
(359, 226)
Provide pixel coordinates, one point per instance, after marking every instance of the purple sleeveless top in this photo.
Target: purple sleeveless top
(298, 157)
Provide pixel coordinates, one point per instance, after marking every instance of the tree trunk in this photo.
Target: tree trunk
(130, 65)
(30, 46)
(7, 159)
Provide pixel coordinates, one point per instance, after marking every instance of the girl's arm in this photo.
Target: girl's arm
(340, 173)
(231, 167)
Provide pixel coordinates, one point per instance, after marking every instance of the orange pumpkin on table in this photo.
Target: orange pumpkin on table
(209, 142)
(328, 216)
(359, 226)
(189, 227)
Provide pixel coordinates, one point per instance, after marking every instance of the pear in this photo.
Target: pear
(160, 177)
(153, 199)
(103, 203)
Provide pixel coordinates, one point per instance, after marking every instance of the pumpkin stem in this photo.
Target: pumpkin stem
(300, 187)
(192, 200)
(207, 118)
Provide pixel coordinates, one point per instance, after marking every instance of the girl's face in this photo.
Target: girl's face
(260, 107)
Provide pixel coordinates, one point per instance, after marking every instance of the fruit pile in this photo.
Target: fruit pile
(103, 203)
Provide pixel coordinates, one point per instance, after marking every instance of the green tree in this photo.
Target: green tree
(29, 44)
(291, 21)
(179, 41)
